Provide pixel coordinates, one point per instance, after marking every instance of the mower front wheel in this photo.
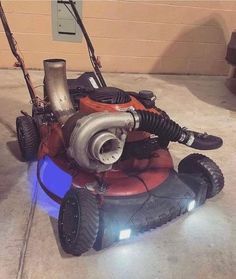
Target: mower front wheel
(28, 137)
(78, 221)
(199, 164)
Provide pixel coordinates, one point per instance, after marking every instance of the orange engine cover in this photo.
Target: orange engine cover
(88, 106)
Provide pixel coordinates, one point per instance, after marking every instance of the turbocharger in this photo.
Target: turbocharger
(98, 139)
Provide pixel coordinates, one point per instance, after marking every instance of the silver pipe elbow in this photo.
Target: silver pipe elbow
(57, 89)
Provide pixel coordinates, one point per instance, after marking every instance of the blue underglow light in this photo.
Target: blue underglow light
(54, 178)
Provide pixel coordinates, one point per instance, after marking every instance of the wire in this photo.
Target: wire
(161, 197)
(89, 51)
(142, 205)
(14, 48)
(70, 11)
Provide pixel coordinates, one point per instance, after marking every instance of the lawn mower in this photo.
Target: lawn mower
(102, 153)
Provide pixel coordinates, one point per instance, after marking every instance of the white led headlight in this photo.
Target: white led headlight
(191, 205)
(124, 234)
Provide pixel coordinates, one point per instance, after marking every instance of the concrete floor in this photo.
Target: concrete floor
(197, 245)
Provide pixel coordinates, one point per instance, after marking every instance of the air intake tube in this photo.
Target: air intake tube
(166, 128)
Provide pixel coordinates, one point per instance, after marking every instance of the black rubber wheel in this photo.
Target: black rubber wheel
(78, 221)
(208, 169)
(28, 137)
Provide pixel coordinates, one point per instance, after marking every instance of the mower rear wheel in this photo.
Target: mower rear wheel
(28, 137)
(78, 221)
(207, 169)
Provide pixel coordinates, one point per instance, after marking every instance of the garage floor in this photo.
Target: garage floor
(197, 245)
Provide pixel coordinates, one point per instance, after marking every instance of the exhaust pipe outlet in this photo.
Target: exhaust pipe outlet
(106, 147)
(57, 89)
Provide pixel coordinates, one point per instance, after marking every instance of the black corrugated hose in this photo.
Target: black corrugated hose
(168, 129)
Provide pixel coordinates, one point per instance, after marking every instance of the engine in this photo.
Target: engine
(96, 122)
(101, 125)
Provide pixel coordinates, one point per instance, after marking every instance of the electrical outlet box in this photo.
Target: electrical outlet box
(64, 26)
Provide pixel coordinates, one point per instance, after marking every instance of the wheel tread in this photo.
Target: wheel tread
(198, 163)
(89, 222)
(29, 143)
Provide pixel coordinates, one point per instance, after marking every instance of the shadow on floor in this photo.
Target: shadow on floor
(8, 126)
(54, 224)
(13, 147)
(45, 204)
(10, 168)
(205, 55)
(211, 91)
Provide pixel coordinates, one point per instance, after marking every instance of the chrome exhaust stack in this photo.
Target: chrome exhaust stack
(57, 89)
